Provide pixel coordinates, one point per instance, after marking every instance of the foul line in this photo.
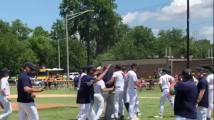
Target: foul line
(68, 95)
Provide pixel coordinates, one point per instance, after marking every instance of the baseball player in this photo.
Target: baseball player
(132, 92)
(85, 95)
(82, 106)
(165, 82)
(118, 80)
(210, 80)
(125, 95)
(185, 97)
(99, 89)
(26, 94)
(203, 94)
(109, 97)
(4, 94)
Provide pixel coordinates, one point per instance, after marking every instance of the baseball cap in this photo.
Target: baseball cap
(209, 68)
(91, 68)
(5, 70)
(187, 72)
(164, 70)
(30, 65)
(200, 69)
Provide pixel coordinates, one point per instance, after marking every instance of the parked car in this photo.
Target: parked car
(73, 75)
(36, 82)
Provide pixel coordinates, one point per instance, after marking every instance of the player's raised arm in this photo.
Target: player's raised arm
(104, 72)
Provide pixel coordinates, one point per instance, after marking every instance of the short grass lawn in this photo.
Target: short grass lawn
(149, 106)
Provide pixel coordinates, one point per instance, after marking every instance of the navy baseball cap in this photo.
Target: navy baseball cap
(5, 70)
(91, 68)
(30, 65)
(200, 69)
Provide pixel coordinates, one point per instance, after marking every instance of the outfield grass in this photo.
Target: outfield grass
(149, 107)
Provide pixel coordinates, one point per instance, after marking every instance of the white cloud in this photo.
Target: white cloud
(137, 16)
(176, 9)
(155, 31)
(207, 32)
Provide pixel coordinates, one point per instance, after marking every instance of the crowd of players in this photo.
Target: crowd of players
(112, 88)
(100, 91)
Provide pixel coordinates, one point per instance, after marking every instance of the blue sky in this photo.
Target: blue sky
(157, 14)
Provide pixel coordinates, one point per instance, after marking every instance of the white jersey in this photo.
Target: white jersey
(119, 80)
(98, 86)
(5, 86)
(125, 82)
(210, 80)
(165, 81)
(132, 78)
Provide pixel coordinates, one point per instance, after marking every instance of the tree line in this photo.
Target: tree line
(101, 35)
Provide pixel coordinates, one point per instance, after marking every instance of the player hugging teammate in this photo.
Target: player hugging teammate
(92, 87)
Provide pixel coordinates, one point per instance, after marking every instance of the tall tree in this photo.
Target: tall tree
(20, 30)
(99, 27)
(13, 53)
(200, 48)
(77, 50)
(42, 45)
(143, 39)
(173, 39)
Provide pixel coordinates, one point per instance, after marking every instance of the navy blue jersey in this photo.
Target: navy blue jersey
(76, 80)
(85, 93)
(203, 85)
(108, 77)
(23, 81)
(185, 99)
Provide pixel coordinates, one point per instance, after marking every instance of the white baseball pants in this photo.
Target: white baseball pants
(211, 102)
(165, 95)
(182, 118)
(132, 93)
(118, 104)
(201, 113)
(86, 112)
(28, 111)
(98, 105)
(7, 108)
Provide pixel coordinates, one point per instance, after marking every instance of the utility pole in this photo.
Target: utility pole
(59, 61)
(67, 18)
(188, 41)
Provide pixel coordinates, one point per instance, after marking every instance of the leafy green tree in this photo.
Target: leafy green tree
(4, 27)
(200, 48)
(20, 30)
(173, 39)
(77, 51)
(42, 45)
(99, 27)
(13, 53)
(143, 39)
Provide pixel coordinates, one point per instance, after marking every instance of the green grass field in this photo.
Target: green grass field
(149, 106)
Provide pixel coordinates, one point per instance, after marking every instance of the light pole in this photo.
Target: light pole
(67, 18)
(187, 30)
(59, 62)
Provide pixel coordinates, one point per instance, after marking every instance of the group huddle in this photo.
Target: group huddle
(100, 91)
